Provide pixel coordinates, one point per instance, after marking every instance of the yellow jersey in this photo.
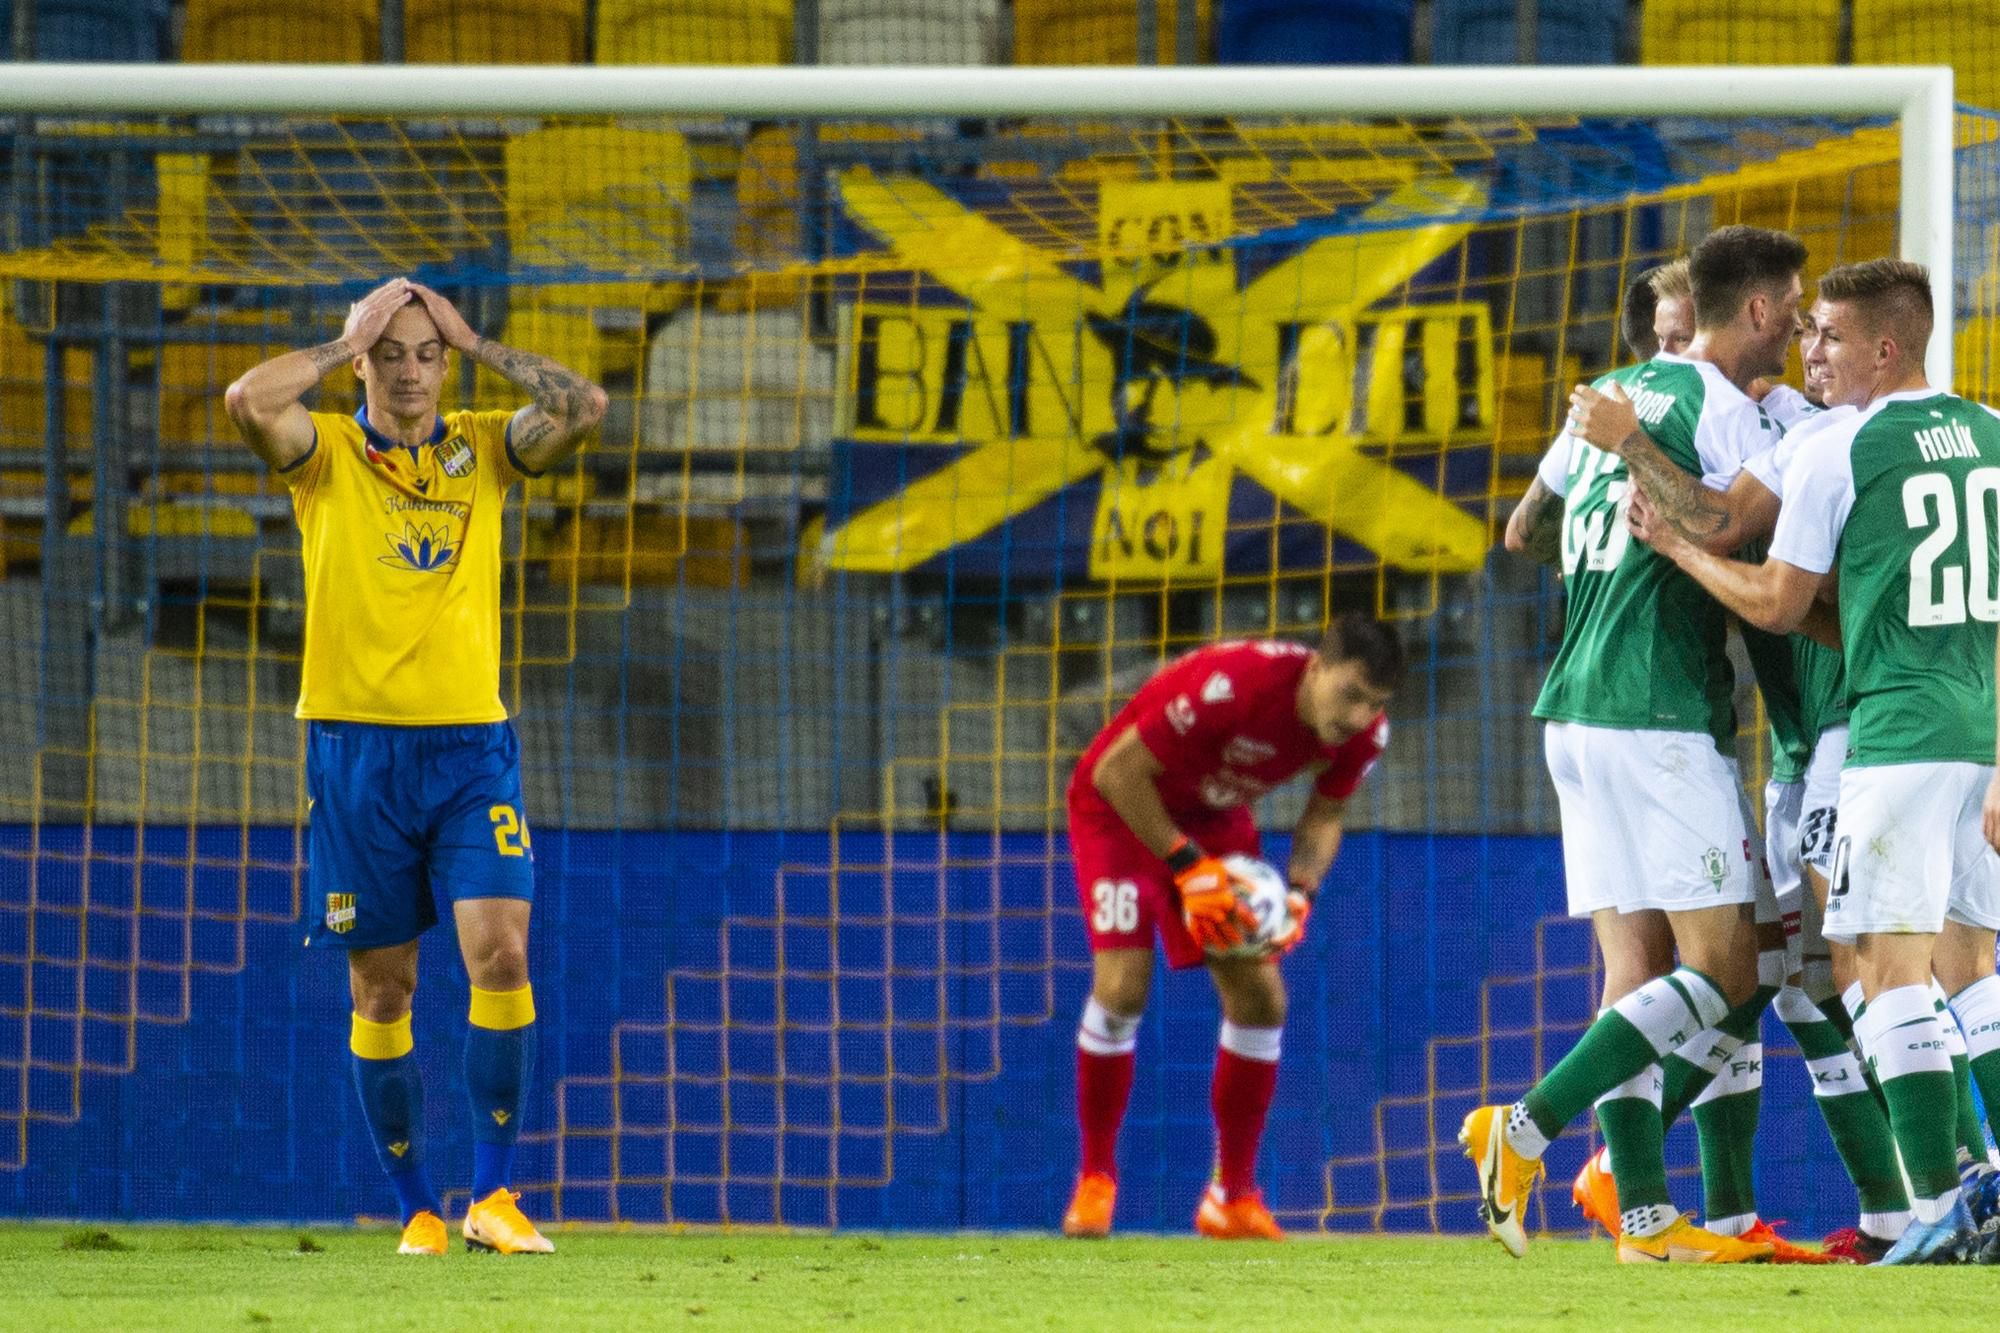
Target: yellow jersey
(401, 547)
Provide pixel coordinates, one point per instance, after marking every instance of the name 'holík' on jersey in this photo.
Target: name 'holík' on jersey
(1904, 499)
(1643, 645)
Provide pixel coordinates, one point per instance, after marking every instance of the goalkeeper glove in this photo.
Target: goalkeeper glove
(1215, 917)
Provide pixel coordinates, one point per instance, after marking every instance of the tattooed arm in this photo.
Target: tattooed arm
(1535, 527)
(1718, 521)
(265, 405)
(567, 406)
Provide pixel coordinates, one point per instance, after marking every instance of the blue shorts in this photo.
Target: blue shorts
(398, 815)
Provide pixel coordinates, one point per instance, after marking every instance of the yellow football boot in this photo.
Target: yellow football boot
(424, 1234)
(1686, 1243)
(1505, 1177)
(495, 1223)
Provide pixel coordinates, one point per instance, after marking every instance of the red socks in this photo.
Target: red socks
(1246, 1075)
(1105, 1043)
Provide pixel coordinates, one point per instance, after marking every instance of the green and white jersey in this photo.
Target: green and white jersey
(1804, 684)
(1642, 646)
(1903, 498)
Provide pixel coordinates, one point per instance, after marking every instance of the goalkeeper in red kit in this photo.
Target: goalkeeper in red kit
(1160, 797)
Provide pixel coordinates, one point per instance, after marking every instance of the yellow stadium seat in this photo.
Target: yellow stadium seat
(1098, 32)
(23, 396)
(1964, 34)
(694, 32)
(1776, 32)
(193, 378)
(603, 200)
(493, 32)
(252, 31)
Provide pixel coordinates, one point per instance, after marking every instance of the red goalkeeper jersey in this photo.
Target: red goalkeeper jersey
(1223, 722)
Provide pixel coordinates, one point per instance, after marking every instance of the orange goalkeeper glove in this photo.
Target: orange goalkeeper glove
(1299, 907)
(1216, 918)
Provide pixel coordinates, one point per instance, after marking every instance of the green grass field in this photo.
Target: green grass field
(217, 1279)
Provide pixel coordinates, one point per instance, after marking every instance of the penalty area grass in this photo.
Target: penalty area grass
(217, 1279)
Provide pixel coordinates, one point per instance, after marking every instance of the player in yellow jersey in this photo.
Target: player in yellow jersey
(413, 776)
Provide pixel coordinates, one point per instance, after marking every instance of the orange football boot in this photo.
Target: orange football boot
(1244, 1218)
(1596, 1193)
(1783, 1251)
(1090, 1208)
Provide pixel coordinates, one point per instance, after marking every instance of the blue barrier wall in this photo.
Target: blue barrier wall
(244, 1110)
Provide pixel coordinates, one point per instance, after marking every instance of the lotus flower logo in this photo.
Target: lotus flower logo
(421, 547)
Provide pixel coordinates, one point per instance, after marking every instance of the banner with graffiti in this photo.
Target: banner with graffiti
(1182, 406)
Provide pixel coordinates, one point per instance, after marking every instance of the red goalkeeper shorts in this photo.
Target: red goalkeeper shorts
(1128, 893)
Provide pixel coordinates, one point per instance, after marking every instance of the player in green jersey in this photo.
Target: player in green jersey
(1637, 702)
(1899, 501)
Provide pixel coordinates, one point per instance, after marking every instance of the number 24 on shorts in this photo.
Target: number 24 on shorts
(510, 835)
(1116, 906)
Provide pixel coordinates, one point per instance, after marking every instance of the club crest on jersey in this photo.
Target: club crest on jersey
(1180, 715)
(1217, 689)
(1243, 752)
(340, 912)
(1714, 866)
(455, 457)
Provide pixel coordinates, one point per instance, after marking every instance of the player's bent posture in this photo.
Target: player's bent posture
(1160, 796)
(1640, 743)
(413, 781)
(1896, 501)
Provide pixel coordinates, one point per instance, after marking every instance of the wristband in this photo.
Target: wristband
(1183, 856)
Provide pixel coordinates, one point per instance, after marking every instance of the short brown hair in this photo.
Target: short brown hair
(1893, 295)
(1376, 646)
(1734, 263)
(1635, 317)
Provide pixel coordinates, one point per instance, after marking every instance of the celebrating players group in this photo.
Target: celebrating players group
(1850, 528)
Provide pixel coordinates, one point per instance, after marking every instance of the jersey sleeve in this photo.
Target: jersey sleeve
(1728, 437)
(1818, 494)
(1788, 407)
(1353, 761)
(301, 476)
(491, 434)
(1554, 469)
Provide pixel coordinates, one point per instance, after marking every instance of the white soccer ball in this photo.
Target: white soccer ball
(1263, 890)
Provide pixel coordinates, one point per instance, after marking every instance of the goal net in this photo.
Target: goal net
(931, 436)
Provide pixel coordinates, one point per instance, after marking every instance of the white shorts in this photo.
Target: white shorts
(1650, 820)
(1781, 843)
(1819, 811)
(1911, 852)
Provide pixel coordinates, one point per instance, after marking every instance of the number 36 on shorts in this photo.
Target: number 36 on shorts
(1115, 906)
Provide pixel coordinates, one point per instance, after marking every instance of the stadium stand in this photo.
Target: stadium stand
(1289, 32)
(1097, 32)
(694, 32)
(910, 32)
(120, 30)
(493, 32)
(1567, 32)
(1689, 32)
(1964, 34)
(255, 31)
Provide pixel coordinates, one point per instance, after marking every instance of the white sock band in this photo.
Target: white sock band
(1710, 1050)
(1773, 966)
(1836, 1075)
(1850, 1000)
(1101, 1032)
(1646, 1085)
(1669, 1011)
(1978, 1009)
(1743, 1073)
(1251, 1043)
(1954, 1039)
(1795, 1008)
(1900, 1034)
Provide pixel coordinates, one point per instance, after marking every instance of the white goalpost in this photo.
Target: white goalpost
(1919, 96)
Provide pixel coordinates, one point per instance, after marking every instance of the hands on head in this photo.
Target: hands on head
(368, 317)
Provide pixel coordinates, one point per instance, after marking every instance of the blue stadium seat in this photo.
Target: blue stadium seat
(1313, 32)
(91, 29)
(1567, 32)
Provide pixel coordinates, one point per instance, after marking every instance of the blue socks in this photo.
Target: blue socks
(499, 1052)
(392, 1102)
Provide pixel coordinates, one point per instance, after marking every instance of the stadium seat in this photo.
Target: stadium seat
(23, 400)
(1964, 34)
(1698, 32)
(694, 32)
(1311, 32)
(1567, 32)
(493, 32)
(1097, 32)
(909, 32)
(91, 29)
(253, 31)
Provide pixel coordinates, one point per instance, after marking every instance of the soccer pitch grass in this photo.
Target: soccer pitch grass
(222, 1278)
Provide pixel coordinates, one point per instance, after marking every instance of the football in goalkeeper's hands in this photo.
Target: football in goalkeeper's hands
(1262, 889)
